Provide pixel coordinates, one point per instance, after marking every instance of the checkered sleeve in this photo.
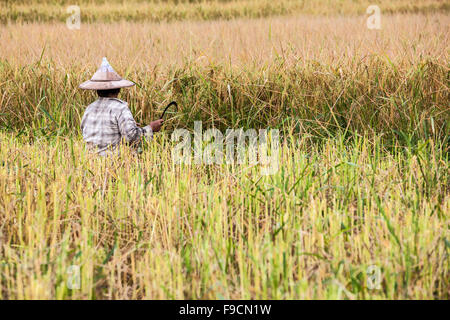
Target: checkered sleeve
(128, 128)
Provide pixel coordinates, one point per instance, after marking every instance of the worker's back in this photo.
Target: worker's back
(107, 121)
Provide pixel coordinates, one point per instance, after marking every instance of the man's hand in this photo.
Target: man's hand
(156, 125)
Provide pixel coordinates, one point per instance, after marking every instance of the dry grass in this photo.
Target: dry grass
(286, 69)
(404, 39)
(135, 10)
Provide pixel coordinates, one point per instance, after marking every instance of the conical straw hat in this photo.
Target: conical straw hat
(105, 78)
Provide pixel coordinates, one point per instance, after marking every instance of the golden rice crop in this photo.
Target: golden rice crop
(320, 74)
(173, 10)
(363, 179)
(147, 228)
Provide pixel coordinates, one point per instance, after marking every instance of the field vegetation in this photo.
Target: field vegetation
(363, 175)
(170, 10)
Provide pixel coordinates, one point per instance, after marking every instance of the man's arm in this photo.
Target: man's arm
(131, 132)
(128, 128)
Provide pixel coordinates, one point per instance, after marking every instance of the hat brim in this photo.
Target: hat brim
(106, 85)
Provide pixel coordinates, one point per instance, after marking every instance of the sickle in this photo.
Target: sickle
(168, 106)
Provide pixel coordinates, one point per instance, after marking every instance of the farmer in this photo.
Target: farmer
(108, 121)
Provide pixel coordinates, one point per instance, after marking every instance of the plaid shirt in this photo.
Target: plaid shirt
(108, 121)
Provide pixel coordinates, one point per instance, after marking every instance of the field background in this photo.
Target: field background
(363, 179)
(169, 10)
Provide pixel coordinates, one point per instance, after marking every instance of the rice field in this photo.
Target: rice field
(179, 10)
(358, 208)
